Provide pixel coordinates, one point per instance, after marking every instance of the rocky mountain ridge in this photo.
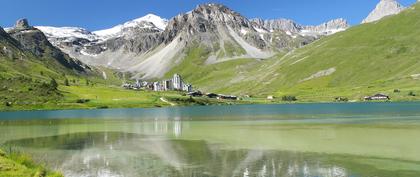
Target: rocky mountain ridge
(384, 8)
(150, 46)
(31, 39)
(293, 28)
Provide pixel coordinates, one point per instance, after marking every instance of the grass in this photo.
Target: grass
(20, 165)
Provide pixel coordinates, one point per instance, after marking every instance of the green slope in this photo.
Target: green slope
(365, 59)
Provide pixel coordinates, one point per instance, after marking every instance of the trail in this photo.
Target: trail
(166, 101)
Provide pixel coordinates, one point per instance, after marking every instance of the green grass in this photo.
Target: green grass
(20, 165)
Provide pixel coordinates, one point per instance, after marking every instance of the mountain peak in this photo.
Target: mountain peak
(22, 24)
(149, 21)
(383, 9)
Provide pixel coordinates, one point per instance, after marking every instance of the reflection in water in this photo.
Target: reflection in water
(126, 154)
(135, 155)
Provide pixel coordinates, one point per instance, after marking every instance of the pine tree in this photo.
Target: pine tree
(53, 84)
(66, 82)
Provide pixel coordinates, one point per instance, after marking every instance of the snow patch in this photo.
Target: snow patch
(67, 32)
(158, 22)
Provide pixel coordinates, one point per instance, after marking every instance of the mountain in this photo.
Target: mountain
(293, 28)
(383, 9)
(150, 46)
(366, 59)
(33, 40)
(149, 21)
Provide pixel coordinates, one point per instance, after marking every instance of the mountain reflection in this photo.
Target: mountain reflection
(124, 154)
(158, 147)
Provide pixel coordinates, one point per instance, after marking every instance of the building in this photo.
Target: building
(167, 85)
(270, 97)
(377, 97)
(177, 82)
(187, 88)
(227, 97)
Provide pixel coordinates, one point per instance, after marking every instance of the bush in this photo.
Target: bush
(397, 91)
(82, 101)
(411, 93)
(102, 107)
(289, 98)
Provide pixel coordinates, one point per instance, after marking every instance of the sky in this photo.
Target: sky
(103, 14)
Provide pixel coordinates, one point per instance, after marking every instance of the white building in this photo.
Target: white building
(187, 88)
(177, 82)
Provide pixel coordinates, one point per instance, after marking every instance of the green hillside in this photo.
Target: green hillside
(379, 57)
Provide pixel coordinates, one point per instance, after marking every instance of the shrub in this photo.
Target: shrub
(411, 93)
(82, 101)
(289, 98)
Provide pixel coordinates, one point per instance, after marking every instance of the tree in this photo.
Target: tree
(87, 82)
(66, 82)
(289, 98)
(53, 84)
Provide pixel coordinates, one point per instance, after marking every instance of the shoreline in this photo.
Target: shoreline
(173, 105)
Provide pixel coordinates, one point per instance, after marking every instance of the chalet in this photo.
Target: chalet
(377, 97)
(270, 97)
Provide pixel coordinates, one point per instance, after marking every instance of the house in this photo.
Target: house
(270, 97)
(376, 97)
(227, 97)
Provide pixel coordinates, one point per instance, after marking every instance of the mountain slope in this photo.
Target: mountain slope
(33, 40)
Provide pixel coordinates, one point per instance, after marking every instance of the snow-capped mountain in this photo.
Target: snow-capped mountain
(383, 9)
(149, 21)
(150, 46)
(293, 28)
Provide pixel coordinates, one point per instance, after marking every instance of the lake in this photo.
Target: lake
(302, 140)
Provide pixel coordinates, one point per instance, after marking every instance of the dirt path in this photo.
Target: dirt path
(166, 101)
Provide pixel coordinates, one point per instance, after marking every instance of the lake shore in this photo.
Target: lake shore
(17, 164)
(110, 97)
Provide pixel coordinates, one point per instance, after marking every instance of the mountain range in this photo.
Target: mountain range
(150, 46)
(214, 44)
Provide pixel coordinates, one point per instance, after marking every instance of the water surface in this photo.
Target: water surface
(311, 140)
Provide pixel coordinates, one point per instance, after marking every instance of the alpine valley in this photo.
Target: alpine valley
(216, 50)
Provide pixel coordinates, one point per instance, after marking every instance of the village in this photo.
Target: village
(176, 83)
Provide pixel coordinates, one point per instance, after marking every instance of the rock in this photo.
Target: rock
(22, 24)
(291, 26)
(383, 9)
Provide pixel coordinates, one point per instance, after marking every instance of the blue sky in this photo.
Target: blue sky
(101, 14)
